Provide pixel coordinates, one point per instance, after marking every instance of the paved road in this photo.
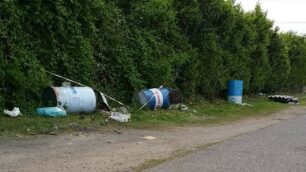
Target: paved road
(278, 148)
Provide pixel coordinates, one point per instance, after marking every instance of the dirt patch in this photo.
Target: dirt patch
(124, 150)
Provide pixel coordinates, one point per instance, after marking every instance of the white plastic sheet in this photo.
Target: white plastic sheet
(120, 117)
(14, 113)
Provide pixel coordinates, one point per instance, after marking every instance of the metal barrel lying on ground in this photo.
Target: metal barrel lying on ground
(154, 98)
(72, 99)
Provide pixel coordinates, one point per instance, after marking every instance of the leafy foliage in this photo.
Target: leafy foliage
(125, 45)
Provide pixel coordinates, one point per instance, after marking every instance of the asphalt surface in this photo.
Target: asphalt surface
(277, 148)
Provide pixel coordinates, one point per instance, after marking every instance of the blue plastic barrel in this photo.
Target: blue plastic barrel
(158, 98)
(235, 91)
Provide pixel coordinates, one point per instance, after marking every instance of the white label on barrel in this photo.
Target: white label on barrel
(235, 99)
(158, 97)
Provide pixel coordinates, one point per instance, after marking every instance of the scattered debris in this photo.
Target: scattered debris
(284, 99)
(120, 109)
(161, 97)
(194, 111)
(66, 84)
(292, 103)
(261, 94)
(149, 138)
(107, 113)
(80, 84)
(120, 117)
(102, 102)
(51, 112)
(182, 107)
(120, 114)
(14, 113)
(245, 104)
(154, 98)
(175, 96)
(72, 99)
(123, 110)
(179, 106)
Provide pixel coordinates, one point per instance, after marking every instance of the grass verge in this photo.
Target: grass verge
(208, 113)
(203, 113)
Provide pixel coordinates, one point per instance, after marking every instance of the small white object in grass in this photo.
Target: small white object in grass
(194, 111)
(120, 117)
(149, 137)
(245, 104)
(184, 107)
(293, 103)
(14, 113)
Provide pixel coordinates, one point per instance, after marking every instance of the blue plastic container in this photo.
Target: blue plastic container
(235, 91)
(158, 98)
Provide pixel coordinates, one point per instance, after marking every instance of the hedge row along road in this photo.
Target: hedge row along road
(126, 45)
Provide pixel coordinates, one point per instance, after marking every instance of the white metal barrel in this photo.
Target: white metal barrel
(72, 99)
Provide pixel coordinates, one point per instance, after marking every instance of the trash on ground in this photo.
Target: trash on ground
(179, 106)
(51, 112)
(102, 102)
(80, 84)
(235, 91)
(184, 107)
(175, 96)
(292, 103)
(162, 97)
(66, 84)
(120, 109)
(156, 98)
(72, 99)
(120, 117)
(107, 113)
(123, 110)
(14, 113)
(284, 99)
(149, 138)
(245, 104)
(261, 94)
(194, 111)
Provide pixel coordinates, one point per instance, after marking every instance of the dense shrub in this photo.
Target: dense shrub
(297, 55)
(125, 45)
(279, 63)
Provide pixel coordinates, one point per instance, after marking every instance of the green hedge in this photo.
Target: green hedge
(126, 45)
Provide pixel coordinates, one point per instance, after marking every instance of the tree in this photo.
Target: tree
(279, 63)
(259, 65)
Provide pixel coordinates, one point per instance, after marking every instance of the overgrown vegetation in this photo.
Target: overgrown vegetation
(125, 45)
